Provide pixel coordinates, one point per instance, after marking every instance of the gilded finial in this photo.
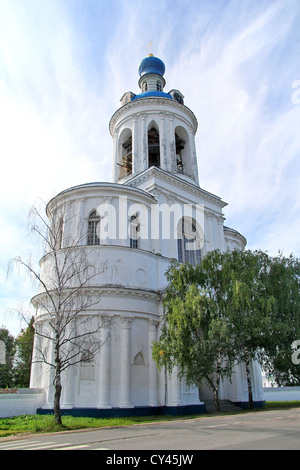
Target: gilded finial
(149, 47)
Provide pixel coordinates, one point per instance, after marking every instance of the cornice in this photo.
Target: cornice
(87, 190)
(161, 105)
(174, 179)
(108, 289)
(235, 234)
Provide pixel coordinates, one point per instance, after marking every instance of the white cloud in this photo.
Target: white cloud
(65, 65)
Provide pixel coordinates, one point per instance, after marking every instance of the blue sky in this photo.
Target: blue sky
(64, 65)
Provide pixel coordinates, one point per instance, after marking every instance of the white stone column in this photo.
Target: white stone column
(209, 241)
(221, 234)
(176, 389)
(124, 400)
(116, 167)
(49, 372)
(35, 366)
(162, 143)
(194, 174)
(67, 399)
(153, 372)
(136, 167)
(144, 144)
(239, 384)
(172, 144)
(104, 368)
(68, 389)
(258, 391)
(82, 227)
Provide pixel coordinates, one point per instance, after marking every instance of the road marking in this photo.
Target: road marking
(72, 447)
(217, 425)
(31, 445)
(14, 444)
(26, 444)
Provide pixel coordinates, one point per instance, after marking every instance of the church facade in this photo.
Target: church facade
(153, 212)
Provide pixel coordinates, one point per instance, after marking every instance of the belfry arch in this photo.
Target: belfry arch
(183, 152)
(153, 145)
(125, 153)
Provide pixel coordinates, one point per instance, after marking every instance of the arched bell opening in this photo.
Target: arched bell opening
(153, 145)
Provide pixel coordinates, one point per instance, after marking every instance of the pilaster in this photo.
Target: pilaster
(153, 372)
(124, 397)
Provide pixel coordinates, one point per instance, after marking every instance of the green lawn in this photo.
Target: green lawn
(45, 423)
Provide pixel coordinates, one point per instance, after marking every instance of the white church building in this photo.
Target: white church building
(158, 212)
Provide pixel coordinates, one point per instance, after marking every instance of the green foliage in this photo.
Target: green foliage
(233, 307)
(6, 370)
(16, 371)
(284, 285)
(24, 344)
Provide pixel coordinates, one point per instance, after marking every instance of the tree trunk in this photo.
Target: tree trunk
(57, 383)
(216, 399)
(57, 394)
(250, 394)
(215, 389)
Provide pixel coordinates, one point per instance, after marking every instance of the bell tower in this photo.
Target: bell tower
(154, 128)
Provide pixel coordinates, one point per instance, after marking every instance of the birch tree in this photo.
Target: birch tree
(64, 324)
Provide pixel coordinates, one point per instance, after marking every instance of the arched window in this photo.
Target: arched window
(126, 154)
(153, 147)
(188, 242)
(93, 229)
(183, 152)
(134, 231)
(158, 86)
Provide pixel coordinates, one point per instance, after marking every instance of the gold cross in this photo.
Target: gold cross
(149, 47)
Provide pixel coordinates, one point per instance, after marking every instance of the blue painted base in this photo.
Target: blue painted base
(245, 404)
(128, 412)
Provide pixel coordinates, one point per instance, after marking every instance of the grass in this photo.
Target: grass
(45, 423)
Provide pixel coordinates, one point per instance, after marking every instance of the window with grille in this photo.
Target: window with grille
(188, 242)
(93, 229)
(134, 231)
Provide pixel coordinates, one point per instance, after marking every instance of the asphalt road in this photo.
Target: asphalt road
(270, 430)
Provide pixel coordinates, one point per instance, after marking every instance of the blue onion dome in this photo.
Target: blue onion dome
(151, 64)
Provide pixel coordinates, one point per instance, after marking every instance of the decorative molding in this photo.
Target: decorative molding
(160, 103)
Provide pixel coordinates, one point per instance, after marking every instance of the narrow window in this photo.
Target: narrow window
(93, 229)
(180, 144)
(188, 242)
(158, 86)
(134, 231)
(153, 147)
(126, 164)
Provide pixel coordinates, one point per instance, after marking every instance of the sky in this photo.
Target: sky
(65, 64)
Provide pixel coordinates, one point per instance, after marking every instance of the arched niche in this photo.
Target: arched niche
(183, 152)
